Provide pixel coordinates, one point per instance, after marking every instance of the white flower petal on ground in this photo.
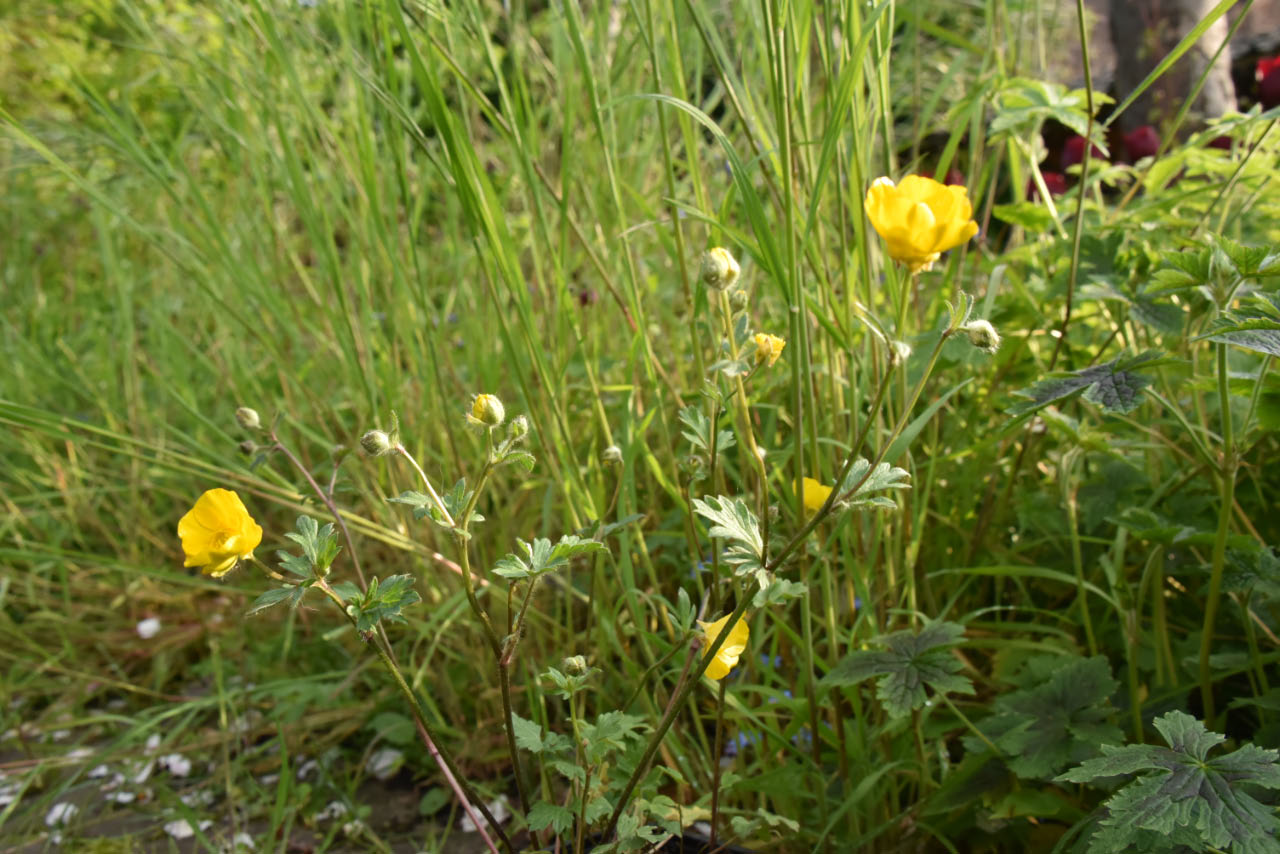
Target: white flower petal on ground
(60, 813)
(384, 764)
(176, 764)
(182, 829)
(148, 628)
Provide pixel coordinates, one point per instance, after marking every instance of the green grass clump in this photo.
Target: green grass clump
(1036, 555)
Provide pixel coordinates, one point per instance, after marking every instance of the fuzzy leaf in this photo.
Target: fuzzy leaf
(541, 556)
(734, 521)
(1115, 386)
(319, 547)
(883, 477)
(1185, 797)
(384, 601)
(700, 432)
(271, 597)
(908, 664)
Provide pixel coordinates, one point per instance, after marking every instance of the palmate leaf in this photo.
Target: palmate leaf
(384, 600)
(291, 594)
(908, 663)
(883, 477)
(319, 548)
(1059, 717)
(702, 432)
(1115, 386)
(734, 521)
(1256, 327)
(545, 815)
(1185, 798)
(541, 556)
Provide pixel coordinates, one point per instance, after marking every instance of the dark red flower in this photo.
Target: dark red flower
(1142, 142)
(955, 177)
(1269, 82)
(1054, 182)
(1073, 152)
(1266, 66)
(1221, 141)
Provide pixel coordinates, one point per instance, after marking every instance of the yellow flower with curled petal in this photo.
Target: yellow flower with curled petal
(734, 645)
(768, 348)
(814, 494)
(919, 218)
(218, 532)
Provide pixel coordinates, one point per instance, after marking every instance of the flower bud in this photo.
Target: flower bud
(739, 300)
(575, 665)
(519, 427)
(982, 335)
(376, 443)
(486, 409)
(899, 351)
(248, 448)
(248, 418)
(692, 467)
(719, 269)
(768, 348)
(611, 454)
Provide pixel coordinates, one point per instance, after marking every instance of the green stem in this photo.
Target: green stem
(1226, 501)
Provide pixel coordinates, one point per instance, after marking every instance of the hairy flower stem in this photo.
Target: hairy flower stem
(461, 790)
(324, 496)
(1226, 501)
(688, 680)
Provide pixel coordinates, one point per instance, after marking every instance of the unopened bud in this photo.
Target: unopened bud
(611, 454)
(719, 269)
(248, 418)
(691, 466)
(376, 443)
(982, 335)
(519, 427)
(486, 409)
(248, 448)
(739, 300)
(575, 665)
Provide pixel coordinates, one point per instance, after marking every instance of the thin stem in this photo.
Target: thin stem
(328, 503)
(1226, 500)
(461, 790)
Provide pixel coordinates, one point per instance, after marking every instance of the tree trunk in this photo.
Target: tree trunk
(1143, 33)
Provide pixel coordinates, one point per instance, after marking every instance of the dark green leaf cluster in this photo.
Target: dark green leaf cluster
(384, 600)
(1058, 716)
(541, 556)
(1115, 386)
(908, 663)
(1255, 327)
(1184, 798)
(319, 548)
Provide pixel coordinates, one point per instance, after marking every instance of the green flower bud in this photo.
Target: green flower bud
(982, 335)
(719, 269)
(739, 300)
(248, 418)
(248, 448)
(376, 443)
(575, 664)
(519, 427)
(611, 454)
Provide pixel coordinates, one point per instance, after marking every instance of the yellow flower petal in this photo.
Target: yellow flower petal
(730, 651)
(218, 532)
(919, 219)
(814, 494)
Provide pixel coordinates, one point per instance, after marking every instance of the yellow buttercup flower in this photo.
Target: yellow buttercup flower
(218, 532)
(733, 646)
(814, 494)
(487, 410)
(768, 348)
(919, 218)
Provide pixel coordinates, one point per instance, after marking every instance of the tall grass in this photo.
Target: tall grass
(333, 212)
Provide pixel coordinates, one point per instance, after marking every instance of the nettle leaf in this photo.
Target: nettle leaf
(1060, 716)
(1185, 797)
(319, 547)
(734, 521)
(554, 816)
(868, 482)
(908, 664)
(1249, 261)
(541, 556)
(1115, 386)
(384, 600)
(610, 732)
(701, 432)
(1190, 269)
(1256, 327)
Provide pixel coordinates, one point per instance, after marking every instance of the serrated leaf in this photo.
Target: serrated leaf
(385, 600)
(1060, 717)
(867, 482)
(528, 734)
(1115, 386)
(734, 521)
(271, 597)
(908, 664)
(1185, 796)
(347, 591)
(524, 459)
(545, 815)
